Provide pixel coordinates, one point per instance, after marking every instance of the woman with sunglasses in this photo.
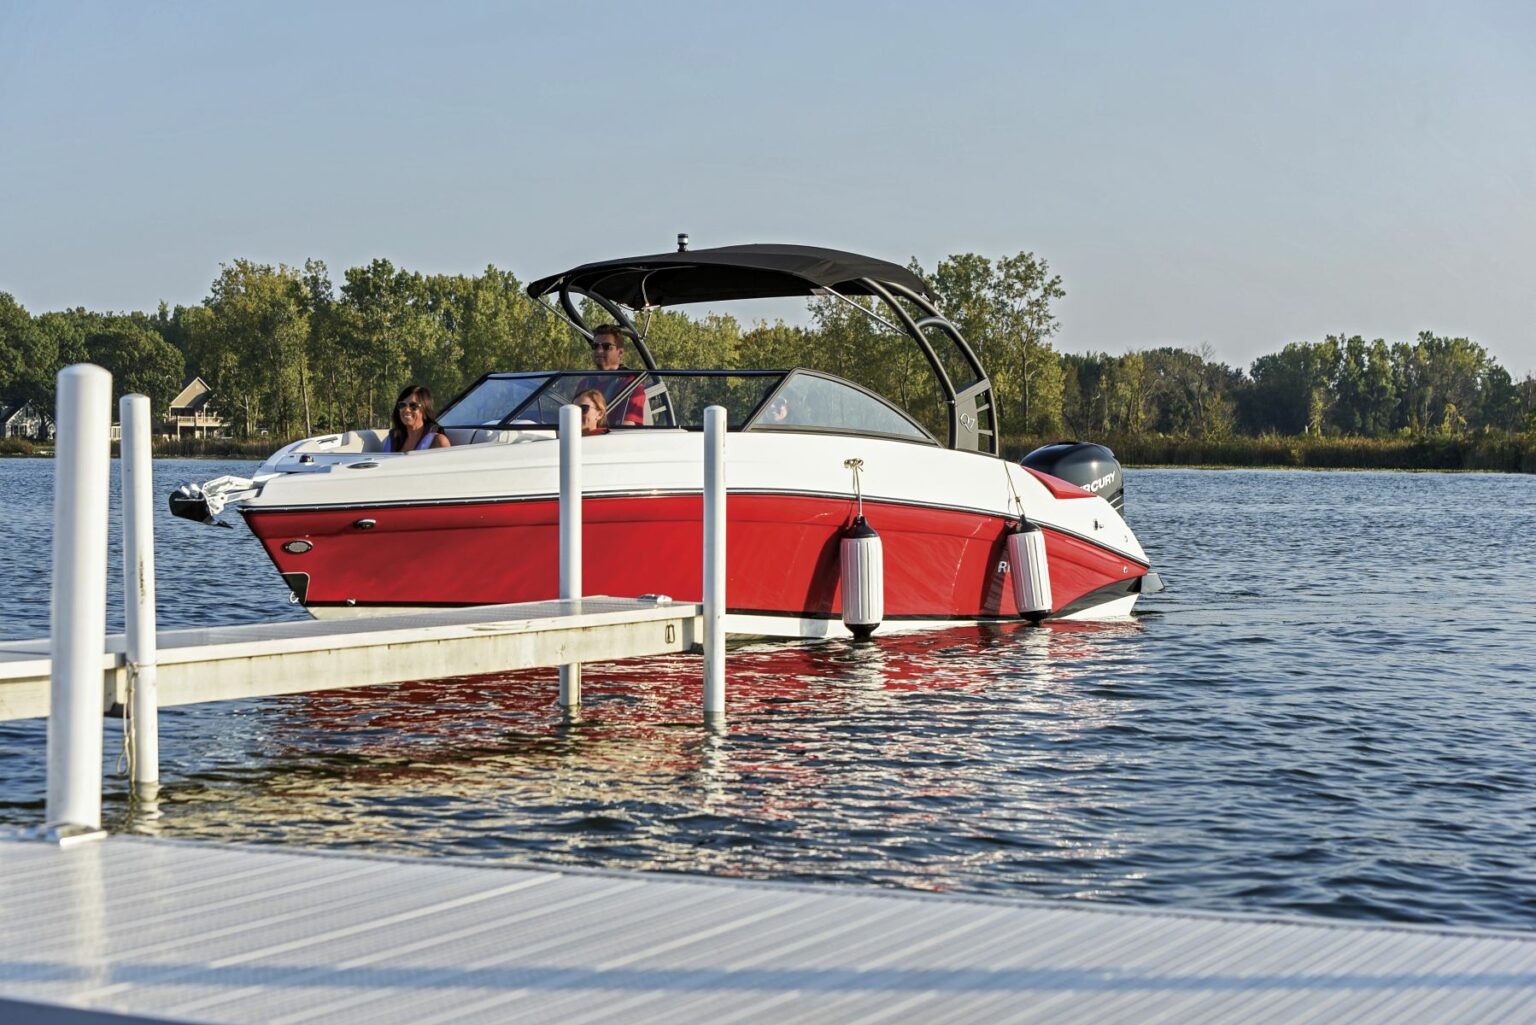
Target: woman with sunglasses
(594, 411)
(414, 426)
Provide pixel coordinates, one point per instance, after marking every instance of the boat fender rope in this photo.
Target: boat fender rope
(1018, 503)
(857, 465)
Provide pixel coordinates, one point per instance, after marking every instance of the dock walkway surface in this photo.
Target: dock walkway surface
(227, 662)
(136, 929)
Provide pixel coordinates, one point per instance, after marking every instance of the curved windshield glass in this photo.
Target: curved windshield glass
(812, 402)
(668, 398)
(491, 401)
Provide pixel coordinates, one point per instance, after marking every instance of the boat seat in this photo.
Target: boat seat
(345, 443)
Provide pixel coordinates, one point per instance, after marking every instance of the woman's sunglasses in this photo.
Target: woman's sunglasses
(412, 406)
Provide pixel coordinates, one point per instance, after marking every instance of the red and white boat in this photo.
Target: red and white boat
(356, 530)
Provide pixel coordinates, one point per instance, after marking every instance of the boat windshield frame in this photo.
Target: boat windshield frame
(756, 417)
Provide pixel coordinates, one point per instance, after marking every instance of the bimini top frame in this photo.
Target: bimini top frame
(728, 273)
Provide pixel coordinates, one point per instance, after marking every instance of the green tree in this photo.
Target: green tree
(28, 357)
(491, 326)
(678, 340)
(370, 321)
(139, 358)
(249, 341)
(1293, 389)
(1126, 394)
(1005, 312)
(776, 346)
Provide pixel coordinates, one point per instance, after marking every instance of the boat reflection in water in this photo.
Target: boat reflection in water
(928, 760)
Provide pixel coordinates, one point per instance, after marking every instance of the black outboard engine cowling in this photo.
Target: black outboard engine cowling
(1089, 466)
(188, 502)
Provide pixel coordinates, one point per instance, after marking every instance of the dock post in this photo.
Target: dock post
(714, 564)
(143, 721)
(82, 467)
(570, 536)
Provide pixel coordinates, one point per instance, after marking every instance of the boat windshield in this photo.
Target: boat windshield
(769, 400)
(815, 402)
(634, 398)
(491, 399)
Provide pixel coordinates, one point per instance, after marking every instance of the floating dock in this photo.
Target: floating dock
(225, 663)
(156, 930)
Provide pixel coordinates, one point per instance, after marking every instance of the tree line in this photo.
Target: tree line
(288, 351)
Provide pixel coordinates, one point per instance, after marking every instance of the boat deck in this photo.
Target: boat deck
(155, 929)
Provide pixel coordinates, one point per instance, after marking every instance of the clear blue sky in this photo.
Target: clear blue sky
(1233, 175)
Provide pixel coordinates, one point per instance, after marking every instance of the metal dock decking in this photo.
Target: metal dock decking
(198, 932)
(223, 663)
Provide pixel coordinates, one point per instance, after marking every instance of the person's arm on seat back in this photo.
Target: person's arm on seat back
(634, 409)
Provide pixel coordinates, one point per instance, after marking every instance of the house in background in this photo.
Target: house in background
(192, 411)
(25, 421)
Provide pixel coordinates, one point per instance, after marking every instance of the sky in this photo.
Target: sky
(1237, 176)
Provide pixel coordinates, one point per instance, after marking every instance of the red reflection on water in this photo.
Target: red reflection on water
(666, 691)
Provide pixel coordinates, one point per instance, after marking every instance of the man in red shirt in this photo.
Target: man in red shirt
(608, 354)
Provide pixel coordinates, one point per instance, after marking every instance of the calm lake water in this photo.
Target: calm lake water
(1331, 711)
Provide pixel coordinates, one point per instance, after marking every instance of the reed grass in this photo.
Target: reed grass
(17, 447)
(1499, 453)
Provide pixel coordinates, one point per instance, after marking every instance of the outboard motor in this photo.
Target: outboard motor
(1089, 466)
(205, 503)
(188, 502)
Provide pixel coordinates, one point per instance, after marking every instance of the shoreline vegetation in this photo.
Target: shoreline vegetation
(1486, 455)
(289, 354)
(1491, 454)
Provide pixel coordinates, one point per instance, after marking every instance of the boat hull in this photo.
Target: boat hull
(941, 564)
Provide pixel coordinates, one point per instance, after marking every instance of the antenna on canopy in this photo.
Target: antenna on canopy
(682, 242)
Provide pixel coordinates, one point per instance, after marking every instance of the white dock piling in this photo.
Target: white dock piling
(714, 564)
(143, 722)
(79, 608)
(570, 536)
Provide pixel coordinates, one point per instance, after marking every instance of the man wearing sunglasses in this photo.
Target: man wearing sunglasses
(608, 354)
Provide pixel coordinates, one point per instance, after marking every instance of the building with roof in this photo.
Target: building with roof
(192, 411)
(25, 421)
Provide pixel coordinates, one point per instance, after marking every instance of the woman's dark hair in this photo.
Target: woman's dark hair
(421, 395)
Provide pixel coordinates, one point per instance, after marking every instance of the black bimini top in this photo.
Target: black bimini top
(726, 273)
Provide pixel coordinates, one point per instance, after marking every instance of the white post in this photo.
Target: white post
(82, 466)
(143, 722)
(714, 564)
(570, 536)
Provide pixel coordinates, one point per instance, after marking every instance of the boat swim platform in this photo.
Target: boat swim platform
(138, 929)
(254, 660)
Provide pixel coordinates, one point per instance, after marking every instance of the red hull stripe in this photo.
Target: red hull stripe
(782, 554)
(1058, 487)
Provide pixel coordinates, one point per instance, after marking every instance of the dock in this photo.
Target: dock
(78, 674)
(230, 662)
(157, 930)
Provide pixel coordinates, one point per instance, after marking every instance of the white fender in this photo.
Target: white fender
(863, 566)
(1031, 572)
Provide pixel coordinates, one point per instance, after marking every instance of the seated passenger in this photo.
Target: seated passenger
(413, 425)
(594, 411)
(608, 354)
